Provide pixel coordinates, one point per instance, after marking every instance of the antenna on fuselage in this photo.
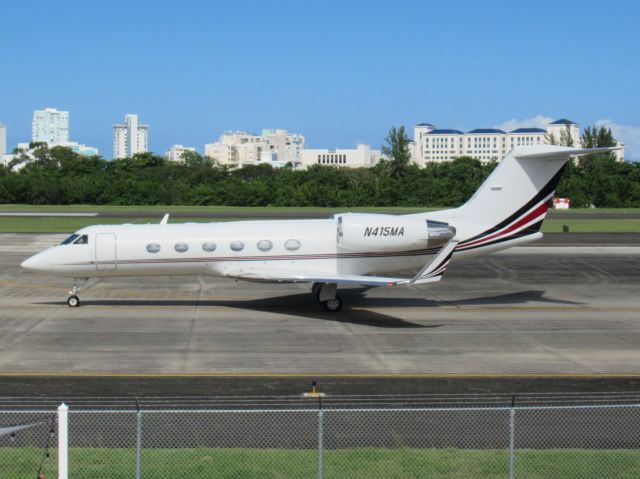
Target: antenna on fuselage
(165, 219)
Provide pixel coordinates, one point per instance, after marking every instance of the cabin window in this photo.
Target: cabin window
(84, 239)
(153, 247)
(292, 244)
(265, 245)
(181, 247)
(208, 246)
(70, 239)
(237, 245)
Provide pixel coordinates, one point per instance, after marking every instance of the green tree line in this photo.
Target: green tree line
(62, 177)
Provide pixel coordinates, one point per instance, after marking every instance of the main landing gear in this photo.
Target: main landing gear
(325, 293)
(74, 300)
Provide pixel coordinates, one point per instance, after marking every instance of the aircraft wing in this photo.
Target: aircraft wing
(430, 273)
(305, 276)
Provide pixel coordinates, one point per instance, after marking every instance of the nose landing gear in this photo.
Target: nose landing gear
(74, 300)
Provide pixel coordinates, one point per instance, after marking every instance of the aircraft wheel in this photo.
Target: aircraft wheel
(73, 301)
(333, 305)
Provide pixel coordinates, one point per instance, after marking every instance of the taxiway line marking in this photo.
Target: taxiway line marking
(71, 374)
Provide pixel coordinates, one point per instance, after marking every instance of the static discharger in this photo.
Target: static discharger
(314, 391)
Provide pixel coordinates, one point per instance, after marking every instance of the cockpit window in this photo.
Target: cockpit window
(70, 239)
(84, 239)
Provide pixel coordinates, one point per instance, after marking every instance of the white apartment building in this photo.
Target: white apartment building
(130, 138)
(81, 149)
(485, 144)
(174, 154)
(50, 126)
(25, 151)
(277, 147)
(3, 140)
(558, 130)
(360, 157)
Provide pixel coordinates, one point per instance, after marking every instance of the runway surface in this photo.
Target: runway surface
(531, 311)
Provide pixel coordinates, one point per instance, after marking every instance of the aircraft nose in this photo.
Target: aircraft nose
(35, 263)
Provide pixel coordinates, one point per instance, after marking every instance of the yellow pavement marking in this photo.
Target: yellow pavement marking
(330, 375)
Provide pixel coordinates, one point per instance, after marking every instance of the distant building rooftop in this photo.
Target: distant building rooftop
(563, 121)
(529, 130)
(445, 132)
(426, 124)
(487, 130)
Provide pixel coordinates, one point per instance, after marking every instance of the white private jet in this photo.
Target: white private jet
(349, 248)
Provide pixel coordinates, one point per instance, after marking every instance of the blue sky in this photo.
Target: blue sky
(339, 72)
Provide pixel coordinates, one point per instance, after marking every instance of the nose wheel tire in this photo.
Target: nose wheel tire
(73, 301)
(333, 305)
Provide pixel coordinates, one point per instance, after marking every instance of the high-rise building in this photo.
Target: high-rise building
(50, 126)
(276, 147)
(3, 140)
(130, 137)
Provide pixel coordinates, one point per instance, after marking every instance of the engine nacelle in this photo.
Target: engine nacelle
(380, 232)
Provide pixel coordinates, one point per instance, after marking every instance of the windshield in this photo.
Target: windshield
(70, 239)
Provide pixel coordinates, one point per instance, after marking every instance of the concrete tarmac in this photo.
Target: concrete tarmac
(528, 311)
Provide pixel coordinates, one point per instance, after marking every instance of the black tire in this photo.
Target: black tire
(333, 305)
(73, 301)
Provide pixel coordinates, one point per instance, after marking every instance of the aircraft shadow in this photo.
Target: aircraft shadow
(520, 297)
(302, 304)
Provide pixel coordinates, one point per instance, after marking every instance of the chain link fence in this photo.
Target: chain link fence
(28, 444)
(483, 442)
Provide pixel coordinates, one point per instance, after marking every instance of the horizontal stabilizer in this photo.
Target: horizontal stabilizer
(564, 152)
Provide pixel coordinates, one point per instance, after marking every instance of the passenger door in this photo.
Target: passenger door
(106, 252)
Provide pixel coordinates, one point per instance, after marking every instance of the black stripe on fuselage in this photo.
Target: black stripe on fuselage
(547, 190)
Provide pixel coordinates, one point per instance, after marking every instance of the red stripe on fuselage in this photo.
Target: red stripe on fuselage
(539, 211)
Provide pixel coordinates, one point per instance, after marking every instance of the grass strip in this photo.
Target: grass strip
(361, 463)
(622, 225)
(50, 224)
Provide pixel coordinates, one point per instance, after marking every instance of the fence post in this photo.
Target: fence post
(320, 444)
(512, 441)
(138, 443)
(63, 441)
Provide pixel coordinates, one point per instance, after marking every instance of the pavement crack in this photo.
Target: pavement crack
(193, 321)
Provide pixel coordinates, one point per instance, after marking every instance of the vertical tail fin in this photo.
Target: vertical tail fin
(513, 201)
